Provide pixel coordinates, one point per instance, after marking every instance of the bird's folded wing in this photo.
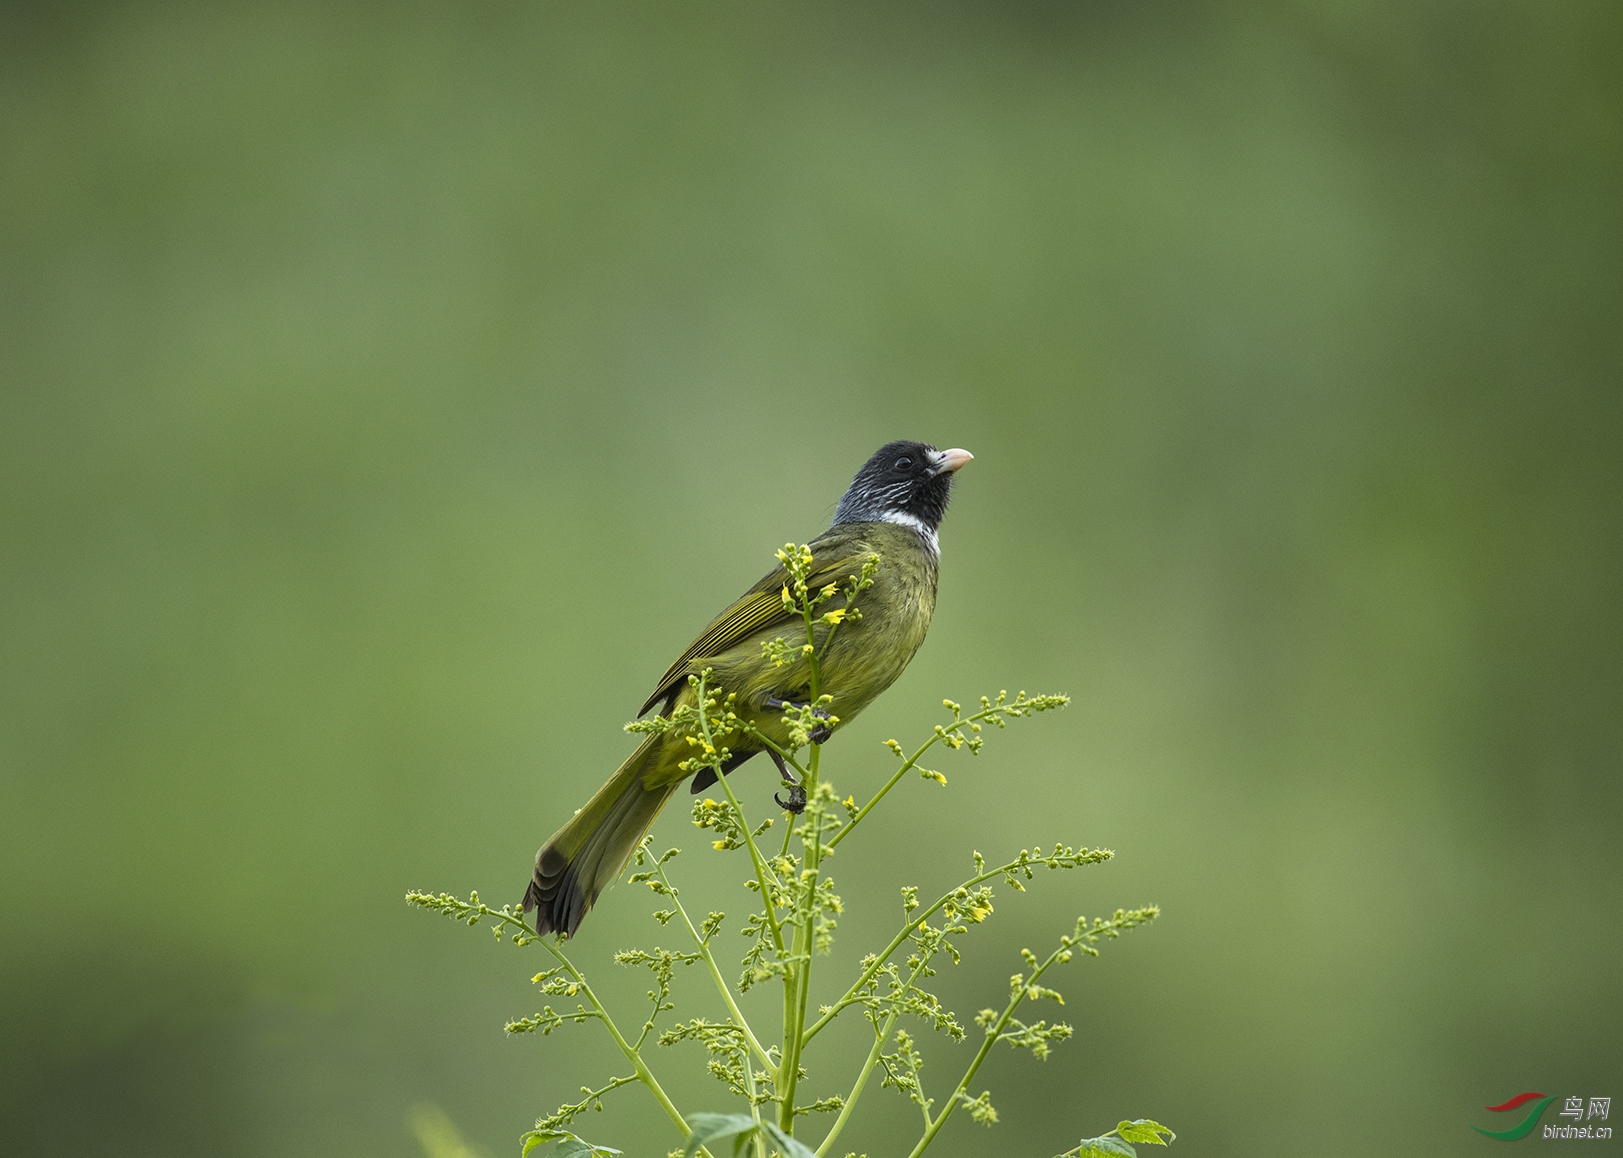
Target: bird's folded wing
(835, 556)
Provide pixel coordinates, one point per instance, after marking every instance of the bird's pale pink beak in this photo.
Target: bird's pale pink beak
(952, 459)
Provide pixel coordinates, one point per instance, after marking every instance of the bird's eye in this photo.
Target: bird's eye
(903, 463)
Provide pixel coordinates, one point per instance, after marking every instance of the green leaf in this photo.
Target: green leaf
(1144, 1130)
(578, 1148)
(790, 1147)
(539, 1137)
(569, 1146)
(708, 1128)
(1105, 1147)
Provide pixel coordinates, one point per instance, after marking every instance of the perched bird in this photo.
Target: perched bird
(892, 509)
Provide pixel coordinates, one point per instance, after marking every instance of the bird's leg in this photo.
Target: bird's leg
(819, 734)
(783, 769)
(797, 792)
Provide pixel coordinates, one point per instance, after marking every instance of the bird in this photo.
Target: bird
(893, 509)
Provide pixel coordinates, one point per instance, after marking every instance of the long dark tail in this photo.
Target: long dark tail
(586, 855)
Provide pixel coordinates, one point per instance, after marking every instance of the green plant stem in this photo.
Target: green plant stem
(755, 1107)
(762, 876)
(795, 994)
(788, 754)
(992, 1035)
(850, 995)
(918, 1084)
(614, 1084)
(856, 1090)
(764, 879)
(795, 1003)
(942, 731)
(880, 1037)
(785, 1084)
(644, 1074)
(715, 975)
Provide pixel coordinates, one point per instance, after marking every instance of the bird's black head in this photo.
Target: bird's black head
(904, 482)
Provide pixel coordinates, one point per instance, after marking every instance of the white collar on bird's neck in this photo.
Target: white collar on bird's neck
(902, 519)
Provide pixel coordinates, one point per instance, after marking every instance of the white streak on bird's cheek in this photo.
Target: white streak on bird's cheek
(903, 519)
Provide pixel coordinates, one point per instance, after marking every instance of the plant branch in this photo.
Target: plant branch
(1022, 988)
(796, 993)
(856, 1090)
(992, 712)
(881, 1035)
(795, 1009)
(703, 944)
(1021, 864)
(992, 1035)
(644, 1074)
(762, 876)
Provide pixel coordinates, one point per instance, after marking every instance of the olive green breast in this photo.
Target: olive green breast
(865, 656)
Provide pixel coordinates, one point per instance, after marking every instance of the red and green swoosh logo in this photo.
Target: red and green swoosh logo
(1525, 1127)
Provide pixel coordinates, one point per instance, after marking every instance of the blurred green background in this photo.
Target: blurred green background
(389, 392)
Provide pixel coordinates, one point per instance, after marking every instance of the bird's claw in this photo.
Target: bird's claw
(797, 792)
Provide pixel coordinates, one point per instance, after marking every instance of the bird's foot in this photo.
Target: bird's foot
(818, 734)
(797, 791)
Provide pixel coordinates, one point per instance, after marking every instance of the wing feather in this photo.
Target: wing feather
(835, 555)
